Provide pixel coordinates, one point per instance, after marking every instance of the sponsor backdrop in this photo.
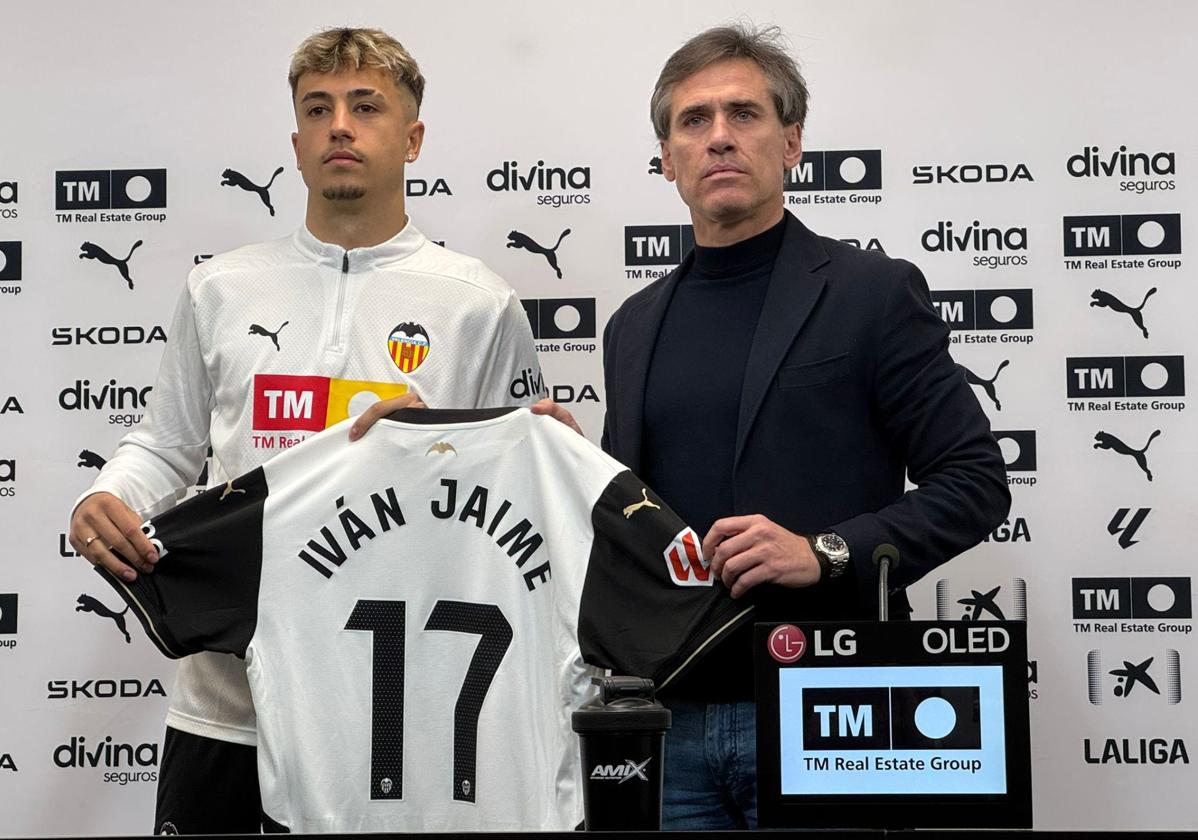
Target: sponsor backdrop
(1044, 182)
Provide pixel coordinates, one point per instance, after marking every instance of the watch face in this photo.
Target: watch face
(832, 544)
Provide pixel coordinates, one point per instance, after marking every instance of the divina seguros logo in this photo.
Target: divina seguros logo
(991, 247)
(558, 186)
(8, 200)
(123, 763)
(1138, 172)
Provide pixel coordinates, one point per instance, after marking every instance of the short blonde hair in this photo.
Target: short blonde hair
(352, 49)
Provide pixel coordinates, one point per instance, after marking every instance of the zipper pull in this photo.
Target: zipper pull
(345, 263)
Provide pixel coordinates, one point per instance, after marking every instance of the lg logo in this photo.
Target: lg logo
(788, 644)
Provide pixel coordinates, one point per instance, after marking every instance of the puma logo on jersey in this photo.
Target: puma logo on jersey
(1105, 440)
(986, 385)
(233, 178)
(1101, 298)
(87, 458)
(516, 239)
(229, 489)
(633, 508)
(89, 604)
(441, 447)
(91, 251)
(255, 329)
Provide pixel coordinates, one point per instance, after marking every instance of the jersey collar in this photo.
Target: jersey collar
(403, 244)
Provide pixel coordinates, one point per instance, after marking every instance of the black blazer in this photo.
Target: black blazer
(848, 385)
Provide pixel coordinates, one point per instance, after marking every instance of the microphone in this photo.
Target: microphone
(886, 557)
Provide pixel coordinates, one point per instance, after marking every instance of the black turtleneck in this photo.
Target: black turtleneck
(692, 393)
(692, 401)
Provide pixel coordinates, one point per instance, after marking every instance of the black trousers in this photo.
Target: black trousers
(207, 786)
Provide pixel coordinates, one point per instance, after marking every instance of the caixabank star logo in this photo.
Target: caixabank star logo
(1134, 675)
(1147, 684)
(982, 603)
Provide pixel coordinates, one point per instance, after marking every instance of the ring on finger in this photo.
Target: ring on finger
(89, 541)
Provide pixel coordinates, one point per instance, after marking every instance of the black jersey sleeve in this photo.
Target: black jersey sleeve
(203, 593)
(650, 605)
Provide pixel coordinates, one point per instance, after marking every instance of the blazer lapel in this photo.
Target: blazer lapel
(641, 329)
(793, 290)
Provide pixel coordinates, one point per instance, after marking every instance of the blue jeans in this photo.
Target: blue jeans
(711, 767)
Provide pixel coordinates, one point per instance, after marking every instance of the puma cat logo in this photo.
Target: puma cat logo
(87, 458)
(233, 178)
(986, 385)
(90, 251)
(263, 331)
(89, 604)
(1105, 440)
(1101, 298)
(516, 239)
(633, 508)
(229, 488)
(655, 166)
(441, 447)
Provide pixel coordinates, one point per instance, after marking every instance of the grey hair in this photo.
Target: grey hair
(764, 47)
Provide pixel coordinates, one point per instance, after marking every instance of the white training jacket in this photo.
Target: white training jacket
(274, 342)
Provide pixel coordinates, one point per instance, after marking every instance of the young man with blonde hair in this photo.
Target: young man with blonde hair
(373, 314)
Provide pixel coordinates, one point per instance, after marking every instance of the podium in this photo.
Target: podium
(894, 725)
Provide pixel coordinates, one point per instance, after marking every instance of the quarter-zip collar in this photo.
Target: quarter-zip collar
(355, 260)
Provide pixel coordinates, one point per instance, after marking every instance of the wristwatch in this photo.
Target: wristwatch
(832, 552)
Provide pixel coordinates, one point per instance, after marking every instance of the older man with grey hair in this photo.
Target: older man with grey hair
(776, 389)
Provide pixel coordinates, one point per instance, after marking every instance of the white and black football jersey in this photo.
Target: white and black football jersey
(421, 610)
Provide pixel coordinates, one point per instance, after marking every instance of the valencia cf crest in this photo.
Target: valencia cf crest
(408, 345)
